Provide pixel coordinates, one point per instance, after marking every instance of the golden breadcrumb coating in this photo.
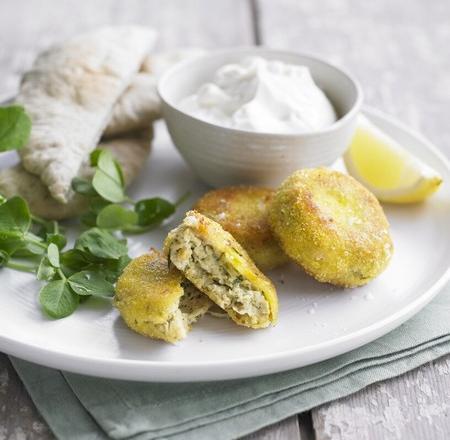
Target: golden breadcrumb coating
(332, 226)
(218, 265)
(243, 212)
(155, 301)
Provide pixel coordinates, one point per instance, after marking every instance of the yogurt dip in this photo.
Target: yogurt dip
(264, 96)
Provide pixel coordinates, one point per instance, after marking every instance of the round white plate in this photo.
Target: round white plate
(316, 321)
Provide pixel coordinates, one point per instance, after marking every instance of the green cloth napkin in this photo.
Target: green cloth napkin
(80, 407)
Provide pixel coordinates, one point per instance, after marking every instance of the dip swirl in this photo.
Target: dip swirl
(262, 95)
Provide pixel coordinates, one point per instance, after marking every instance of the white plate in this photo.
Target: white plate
(316, 321)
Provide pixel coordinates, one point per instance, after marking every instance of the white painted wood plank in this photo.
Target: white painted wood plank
(399, 50)
(19, 418)
(286, 429)
(413, 406)
(27, 26)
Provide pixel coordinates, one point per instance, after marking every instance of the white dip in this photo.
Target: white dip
(262, 95)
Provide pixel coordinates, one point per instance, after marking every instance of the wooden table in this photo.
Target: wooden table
(400, 52)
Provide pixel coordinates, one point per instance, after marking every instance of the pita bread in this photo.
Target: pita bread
(137, 108)
(158, 63)
(69, 94)
(131, 152)
(140, 105)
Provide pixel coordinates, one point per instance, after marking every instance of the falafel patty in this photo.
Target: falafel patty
(243, 212)
(156, 301)
(332, 226)
(216, 264)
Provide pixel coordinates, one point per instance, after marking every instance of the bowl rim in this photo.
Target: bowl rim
(343, 120)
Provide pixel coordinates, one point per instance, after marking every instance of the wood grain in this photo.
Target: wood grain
(399, 52)
(28, 26)
(413, 406)
(19, 419)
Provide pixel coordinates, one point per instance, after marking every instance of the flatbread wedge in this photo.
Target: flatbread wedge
(137, 108)
(131, 152)
(69, 94)
(140, 104)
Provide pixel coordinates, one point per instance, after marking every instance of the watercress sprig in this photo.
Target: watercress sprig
(15, 127)
(93, 264)
(31, 244)
(110, 207)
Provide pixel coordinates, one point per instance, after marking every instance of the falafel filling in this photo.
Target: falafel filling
(193, 305)
(226, 287)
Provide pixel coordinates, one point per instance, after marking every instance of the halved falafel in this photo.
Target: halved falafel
(156, 301)
(243, 212)
(216, 264)
(332, 226)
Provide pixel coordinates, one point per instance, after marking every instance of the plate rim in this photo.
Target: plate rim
(164, 371)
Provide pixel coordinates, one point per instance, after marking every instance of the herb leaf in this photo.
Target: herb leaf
(116, 217)
(57, 299)
(15, 215)
(25, 248)
(45, 271)
(74, 260)
(53, 255)
(15, 128)
(58, 239)
(108, 178)
(83, 186)
(153, 211)
(91, 283)
(4, 257)
(112, 269)
(101, 243)
(94, 156)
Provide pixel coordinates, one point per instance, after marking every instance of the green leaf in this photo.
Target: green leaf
(110, 166)
(91, 283)
(101, 243)
(83, 186)
(3, 199)
(15, 128)
(112, 269)
(116, 217)
(43, 227)
(53, 255)
(105, 161)
(94, 156)
(108, 188)
(15, 215)
(58, 239)
(108, 179)
(28, 249)
(45, 271)
(57, 299)
(11, 242)
(97, 204)
(153, 211)
(89, 219)
(74, 260)
(4, 257)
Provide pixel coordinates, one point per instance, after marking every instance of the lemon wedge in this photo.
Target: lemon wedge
(386, 168)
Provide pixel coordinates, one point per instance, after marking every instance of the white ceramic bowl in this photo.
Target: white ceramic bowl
(223, 156)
